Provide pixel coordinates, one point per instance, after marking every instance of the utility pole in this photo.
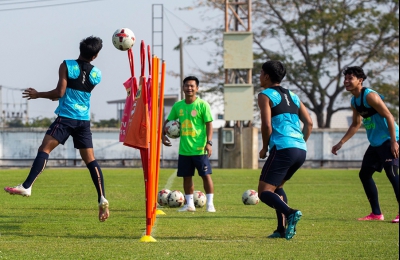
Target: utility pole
(181, 66)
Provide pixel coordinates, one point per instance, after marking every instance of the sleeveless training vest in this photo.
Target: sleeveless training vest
(364, 111)
(81, 80)
(286, 105)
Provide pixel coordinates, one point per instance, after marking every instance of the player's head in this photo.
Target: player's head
(275, 70)
(191, 78)
(90, 47)
(356, 71)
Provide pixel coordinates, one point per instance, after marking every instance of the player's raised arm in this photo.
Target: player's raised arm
(54, 94)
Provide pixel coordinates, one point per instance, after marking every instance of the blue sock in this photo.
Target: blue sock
(274, 201)
(281, 218)
(37, 167)
(97, 178)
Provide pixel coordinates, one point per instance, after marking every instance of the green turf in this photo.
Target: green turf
(59, 220)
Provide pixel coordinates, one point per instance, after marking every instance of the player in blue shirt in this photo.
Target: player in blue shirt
(77, 79)
(281, 113)
(382, 134)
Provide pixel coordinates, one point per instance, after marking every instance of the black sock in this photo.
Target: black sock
(97, 178)
(392, 172)
(281, 217)
(274, 201)
(37, 167)
(370, 189)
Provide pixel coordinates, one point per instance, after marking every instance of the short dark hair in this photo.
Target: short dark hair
(275, 69)
(90, 46)
(191, 78)
(357, 71)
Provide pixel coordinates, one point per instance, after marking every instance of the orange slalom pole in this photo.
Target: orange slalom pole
(150, 185)
(149, 189)
(154, 106)
(160, 123)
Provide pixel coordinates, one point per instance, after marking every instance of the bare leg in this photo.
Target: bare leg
(208, 184)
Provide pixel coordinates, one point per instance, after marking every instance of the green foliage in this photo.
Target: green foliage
(114, 123)
(40, 122)
(15, 123)
(59, 220)
(316, 40)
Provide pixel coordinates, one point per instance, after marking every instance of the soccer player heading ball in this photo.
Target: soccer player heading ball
(77, 79)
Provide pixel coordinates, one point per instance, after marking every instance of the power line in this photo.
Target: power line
(178, 37)
(41, 6)
(183, 21)
(25, 2)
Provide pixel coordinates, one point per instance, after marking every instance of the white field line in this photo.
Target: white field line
(168, 185)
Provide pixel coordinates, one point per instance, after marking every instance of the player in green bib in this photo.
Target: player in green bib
(195, 146)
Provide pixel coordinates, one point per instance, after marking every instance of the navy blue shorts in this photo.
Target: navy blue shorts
(64, 127)
(377, 156)
(281, 165)
(188, 164)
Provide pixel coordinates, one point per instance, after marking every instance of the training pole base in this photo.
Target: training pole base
(147, 239)
(160, 212)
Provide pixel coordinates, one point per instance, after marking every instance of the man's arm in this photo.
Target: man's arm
(209, 132)
(307, 121)
(54, 94)
(266, 126)
(164, 138)
(355, 125)
(375, 101)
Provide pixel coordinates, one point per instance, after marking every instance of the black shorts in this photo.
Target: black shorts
(281, 165)
(188, 164)
(377, 156)
(64, 127)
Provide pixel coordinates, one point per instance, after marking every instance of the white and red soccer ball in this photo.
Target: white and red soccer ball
(123, 39)
(173, 129)
(250, 197)
(176, 199)
(162, 197)
(199, 199)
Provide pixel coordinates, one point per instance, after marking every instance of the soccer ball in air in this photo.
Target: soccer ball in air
(173, 129)
(175, 199)
(162, 197)
(250, 197)
(199, 199)
(123, 39)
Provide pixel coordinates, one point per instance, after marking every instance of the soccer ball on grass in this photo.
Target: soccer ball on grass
(199, 199)
(250, 197)
(162, 197)
(175, 199)
(173, 129)
(123, 39)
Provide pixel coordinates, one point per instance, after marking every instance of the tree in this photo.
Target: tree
(316, 40)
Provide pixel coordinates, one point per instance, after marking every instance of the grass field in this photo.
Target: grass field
(59, 220)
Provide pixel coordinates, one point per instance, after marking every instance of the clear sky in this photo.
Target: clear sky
(34, 42)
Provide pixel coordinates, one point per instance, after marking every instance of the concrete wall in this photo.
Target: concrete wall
(18, 148)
